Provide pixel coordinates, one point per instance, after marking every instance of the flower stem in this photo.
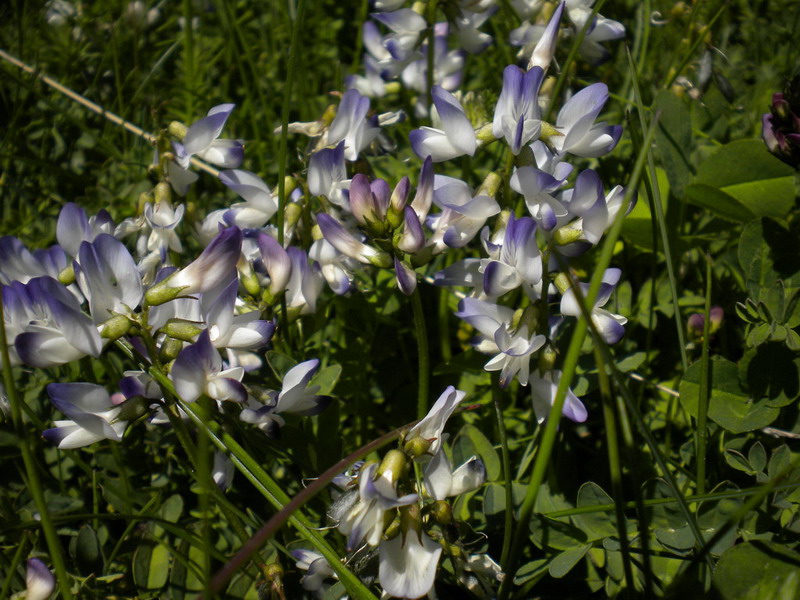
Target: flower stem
(32, 474)
(508, 524)
(423, 352)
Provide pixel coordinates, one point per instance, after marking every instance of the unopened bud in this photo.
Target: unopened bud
(490, 186)
(381, 259)
(395, 463)
(133, 408)
(547, 359)
(485, 133)
(416, 446)
(562, 282)
(273, 571)
(441, 512)
(170, 348)
(178, 130)
(292, 215)
(162, 193)
(329, 115)
(115, 327)
(181, 329)
(251, 283)
(567, 235)
(548, 131)
(392, 529)
(67, 276)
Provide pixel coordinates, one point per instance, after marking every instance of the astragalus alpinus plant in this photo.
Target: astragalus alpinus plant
(373, 353)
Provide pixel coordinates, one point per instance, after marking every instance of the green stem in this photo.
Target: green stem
(423, 352)
(269, 529)
(268, 487)
(614, 465)
(705, 388)
(508, 517)
(32, 475)
(570, 364)
(658, 208)
(283, 152)
(430, 16)
(12, 568)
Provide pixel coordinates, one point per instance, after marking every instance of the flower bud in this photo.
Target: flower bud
(67, 276)
(567, 235)
(441, 512)
(490, 186)
(181, 329)
(416, 446)
(485, 133)
(251, 283)
(548, 131)
(162, 193)
(178, 129)
(115, 327)
(562, 282)
(273, 572)
(133, 408)
(547, 359)
(395, 463)
(170, 348)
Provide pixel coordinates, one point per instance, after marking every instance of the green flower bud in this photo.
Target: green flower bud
(548, 131)
(116, 327)
(416, 446)
(178, 129)
(547, 359)
(273, 572)
(441, 512)
(67, 276)
(181, 329)
(162, 193)
(170, 349)
(133, 408)
(395, 463)
(562, 282)
(490, 186)
(567, 235)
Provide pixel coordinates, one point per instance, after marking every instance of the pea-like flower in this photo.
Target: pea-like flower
(92, 415)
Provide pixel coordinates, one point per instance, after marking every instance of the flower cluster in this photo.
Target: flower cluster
(196, 330)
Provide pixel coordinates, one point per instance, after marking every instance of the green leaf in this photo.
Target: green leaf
(88, 552)
(757, 457)
(767, 253)
(747, 179)
(564, 562)
(674, 139)
(729, 406)
(531, 571)
(757, 570)
(722, 204)
(151, 566)
(471, 441)
(557, 535)
(597, 525)
(637, 228)
(326, 379)
(771, 371)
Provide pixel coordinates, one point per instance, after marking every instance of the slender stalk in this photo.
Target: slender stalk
(658, 210)
(614, 465)
(705, 388)
(423, 353)
(12, 568)
(430, 16)
(282, 152)
(265, 485)
(570, 363)
(188, 57)
(32, 474)
(508, 517)
(276, 522)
